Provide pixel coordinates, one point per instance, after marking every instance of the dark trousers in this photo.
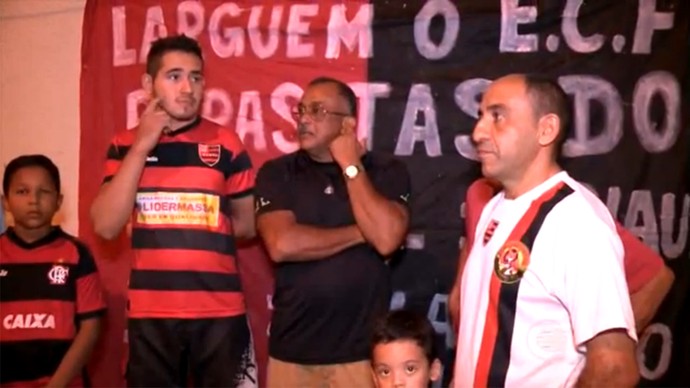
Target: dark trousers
(214, 352)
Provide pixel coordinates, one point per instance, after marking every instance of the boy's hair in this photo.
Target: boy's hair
(165, 45)
(24, 161)
(401, 325)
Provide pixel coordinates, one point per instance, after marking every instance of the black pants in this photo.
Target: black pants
(214, 352)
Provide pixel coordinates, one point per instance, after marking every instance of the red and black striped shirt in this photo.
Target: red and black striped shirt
(182, 236)
(46, 288)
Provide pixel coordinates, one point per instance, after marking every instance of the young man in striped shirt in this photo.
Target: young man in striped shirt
(186, 183)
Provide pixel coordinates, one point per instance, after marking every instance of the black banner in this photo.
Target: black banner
(625, 66)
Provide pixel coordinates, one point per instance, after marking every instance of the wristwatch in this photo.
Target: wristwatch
(352, 171)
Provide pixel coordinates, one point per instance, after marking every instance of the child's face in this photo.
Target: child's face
(403, 363)
(32, 198)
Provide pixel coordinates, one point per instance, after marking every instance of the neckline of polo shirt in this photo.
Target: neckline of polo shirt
(186, 128)
(53, 235)
(365, 160)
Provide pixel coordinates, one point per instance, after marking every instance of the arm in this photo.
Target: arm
(478, 195)
(454, 296)
(112, 207)
(649, 280)
(378, 214)
(647, 300)
(242, 215)
(383, 222)
(286, 240)
(78, 354)
(590, 282)
(610, 361)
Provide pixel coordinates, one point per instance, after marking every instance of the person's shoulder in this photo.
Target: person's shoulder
(583, 210)
(209, 128)
(284, 163)
(482, 190)
(78, 243)
(124, 137)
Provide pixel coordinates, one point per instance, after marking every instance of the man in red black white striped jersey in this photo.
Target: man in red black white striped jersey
(186, 183)
(546, 285)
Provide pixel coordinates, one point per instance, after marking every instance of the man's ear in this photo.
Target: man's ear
(548, 129)
(349, 125)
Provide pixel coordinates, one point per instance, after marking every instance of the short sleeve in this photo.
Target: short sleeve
(641, 263)
(478, 195)
(272, 190)
(241, 176)
(113, 159)
(393, 182)
(90, 300)
(593, 290)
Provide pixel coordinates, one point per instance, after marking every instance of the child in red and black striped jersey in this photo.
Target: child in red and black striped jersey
(51, 301)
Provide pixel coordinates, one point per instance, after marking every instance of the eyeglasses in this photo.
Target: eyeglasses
(315, 111)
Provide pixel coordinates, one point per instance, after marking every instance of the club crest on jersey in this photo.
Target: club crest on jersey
(209, 154)
(58, 274)
(511, 261)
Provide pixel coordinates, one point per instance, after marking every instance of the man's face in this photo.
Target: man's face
(32, 198)
(179, 84)
(322, 117)
(506, 132)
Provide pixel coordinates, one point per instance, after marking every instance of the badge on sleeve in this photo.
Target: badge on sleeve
(511, 261)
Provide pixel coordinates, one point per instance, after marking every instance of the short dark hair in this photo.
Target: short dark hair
(406, 325)
(165, 45)
(343, 89)
(547, 97)
(24, 161)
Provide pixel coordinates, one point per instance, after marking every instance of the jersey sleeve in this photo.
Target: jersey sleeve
(593, 287)
(273, 191)
(478, 195)
(393, 182)
(641, 263)
(116, 152)
(241, 176)
(90, 301)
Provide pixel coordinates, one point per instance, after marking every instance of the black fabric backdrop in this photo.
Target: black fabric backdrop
(623, 62)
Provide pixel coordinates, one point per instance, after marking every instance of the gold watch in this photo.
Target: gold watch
(352, 171)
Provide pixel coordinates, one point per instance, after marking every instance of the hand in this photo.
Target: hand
(152, 122)
(345, 149)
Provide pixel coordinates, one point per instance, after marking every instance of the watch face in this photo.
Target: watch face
(351, 171)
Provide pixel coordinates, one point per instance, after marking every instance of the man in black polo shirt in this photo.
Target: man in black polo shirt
(329, 215)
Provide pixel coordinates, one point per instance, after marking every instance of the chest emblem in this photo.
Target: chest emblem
(209, 154)
(58, 274)
(511, 262)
